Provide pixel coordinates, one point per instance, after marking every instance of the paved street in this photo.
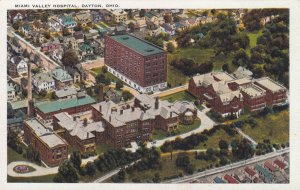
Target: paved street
(206, 123)
(256, 159)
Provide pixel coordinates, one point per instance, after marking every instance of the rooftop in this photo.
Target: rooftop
(219, 180)
(270, 84)
(53, 106)
(138, 45)
(223, 76)
(253, 91)
(44, 133)
(68, 91)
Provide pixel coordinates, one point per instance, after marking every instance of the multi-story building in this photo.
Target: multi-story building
(83, 136)
(52, 148)
(80, 103)
(137, 62)
(276, 94)
(126, 123)
(43, 82)
(118, 15)
(230, 94)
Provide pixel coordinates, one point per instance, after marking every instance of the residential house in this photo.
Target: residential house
(38, 38)
(70, 42)
(65, 93)
(26, 29)
(16, 15)
(43, 82)
(21, 64)
(86, 51)
(50, 46)
(62, 78)
(67, 21)
(11, 92)
(96, 17)
(54, 24)
(15, 45)
(118, 15)
(167, 28)
(150, 18)
(57, 54)
(83, 17)
(91, 34)
(79, 37)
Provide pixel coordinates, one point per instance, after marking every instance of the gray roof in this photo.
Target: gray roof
(43, 77)
(270, 84)
(68, 91)
(242, 72)
(45, 133)
(61, 75)
(77, 128)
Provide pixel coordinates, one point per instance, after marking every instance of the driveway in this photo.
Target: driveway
(39, 170)
(206, 123)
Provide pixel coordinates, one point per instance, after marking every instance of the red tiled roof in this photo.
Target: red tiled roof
(230, 179)
(269, 166)
(250, 171)
(279, 164)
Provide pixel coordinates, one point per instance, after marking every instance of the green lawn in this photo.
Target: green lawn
(96, 71)
(102, 148)
(196, 54)
(274, 127)
(220, 61)
(169, 168)
(253, 37)
(175, 77)
(213, 141)
(40, 179)
(179, 96)
(161, 134)
(14, 156)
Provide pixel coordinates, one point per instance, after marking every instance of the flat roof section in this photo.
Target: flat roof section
(138, 45)
(270, 84)
(49, 107)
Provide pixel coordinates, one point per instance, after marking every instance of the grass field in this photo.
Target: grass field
(253, 37)
(169, 168)
(97, 71)
(213, 141)
(40, 179)
(161, 134)
(196, 54)
(14, 156)
(274, 127)
(180, 96)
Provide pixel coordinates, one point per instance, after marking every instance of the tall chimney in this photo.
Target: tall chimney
(132, 108)
(110, 118)
(101, 93)
(156, 104)
(100, 108)
(121, 111)
(30, 108)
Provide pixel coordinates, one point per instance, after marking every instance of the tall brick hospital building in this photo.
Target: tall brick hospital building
(138, 63)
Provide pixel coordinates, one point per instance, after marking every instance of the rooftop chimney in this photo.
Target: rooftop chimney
(100, 108)
(110, 118)
(156, 104)
(121, 111)
(132, 108)
(170, 114)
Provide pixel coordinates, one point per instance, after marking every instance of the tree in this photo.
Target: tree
(167, 18)
(225, 67)
(101, 78)
(66, 173)
(170, 47)
(119, 84)
(182, 161)
(90, 169)
(126, 95)
(131, 27)
(70, 58)
(223, 144)
(75, 159)
(156, 178)
(142, 12)
(223, 161)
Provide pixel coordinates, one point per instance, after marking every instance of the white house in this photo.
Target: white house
(55, 25)
(11, 92)
(43, 81)
(21, 64)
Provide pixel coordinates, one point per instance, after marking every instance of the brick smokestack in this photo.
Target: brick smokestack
(30, 108)
(156, 104)
(101, 93)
